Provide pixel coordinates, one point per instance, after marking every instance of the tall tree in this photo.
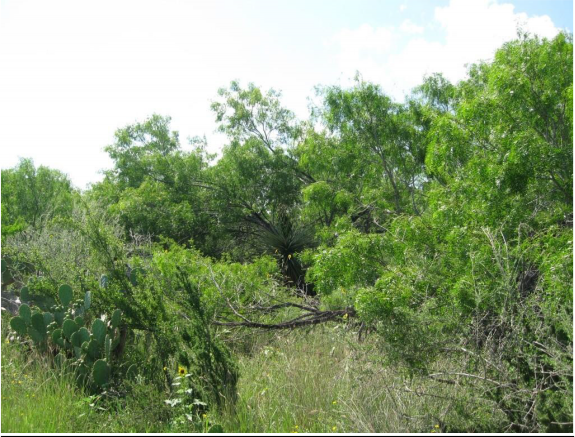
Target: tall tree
(30, 195)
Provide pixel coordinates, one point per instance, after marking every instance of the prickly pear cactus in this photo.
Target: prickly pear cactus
(101, 373)
(39, 326)
(66, 295)
(99, 331)
(87, 300)
(26, 313)
(24, 294)
(116, 315)
(18, 324)
(83, 348)
(69, 327)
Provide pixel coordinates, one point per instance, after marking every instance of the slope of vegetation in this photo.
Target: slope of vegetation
(381, 267)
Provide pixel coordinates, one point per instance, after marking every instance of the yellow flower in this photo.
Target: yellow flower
(165, 368)
(334, 402)
(182, 370)
(289, 256)
(334, 429)
(345, 316)
(437, 426)
(204, 415)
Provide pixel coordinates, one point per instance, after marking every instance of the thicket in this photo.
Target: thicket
(442, 226)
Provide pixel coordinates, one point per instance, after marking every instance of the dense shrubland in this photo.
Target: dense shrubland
(438, 230)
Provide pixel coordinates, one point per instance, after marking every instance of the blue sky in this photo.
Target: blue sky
(71, 72)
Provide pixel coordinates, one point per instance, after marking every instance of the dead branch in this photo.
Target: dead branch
(283, 305)
(305, 320)
(313, 316)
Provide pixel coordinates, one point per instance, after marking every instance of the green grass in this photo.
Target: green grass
(37, 398)
(324, 380)
(316, 380)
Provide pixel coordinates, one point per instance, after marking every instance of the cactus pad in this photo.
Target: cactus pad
(57, 337)
(66, 295)
(116, 319)
(35, 335)
(99, 331)
(19, 325)
(79, 337)
(93, 349)
(69, 327)
(87, 300)
(59, 317)
(101, 373)
(48, 318)
(39, 324)
(108, 347)
(25, 313)
(103, 281)
(24, 294)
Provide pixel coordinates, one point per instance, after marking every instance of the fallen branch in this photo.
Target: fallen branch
(283, 305)
(312, 317)
(305, 320)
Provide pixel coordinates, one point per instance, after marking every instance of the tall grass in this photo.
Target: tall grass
(324, 380)
(316, 380)
(37, 398)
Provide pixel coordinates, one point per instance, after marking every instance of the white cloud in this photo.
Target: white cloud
(73, 72)
(474, 30)
(409, 26)
(365, 38)
(402, 7)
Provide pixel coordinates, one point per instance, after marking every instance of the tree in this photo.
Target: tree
(31, 195)
(155, 188)
(369, 151)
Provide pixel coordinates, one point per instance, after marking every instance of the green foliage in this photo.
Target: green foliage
(355, 260)
(31, 196)
(188, 340)
(155, 187)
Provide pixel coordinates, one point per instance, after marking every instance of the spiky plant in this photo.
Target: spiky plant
(285, 241)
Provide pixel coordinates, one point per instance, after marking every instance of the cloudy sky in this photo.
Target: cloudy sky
(72, 72)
